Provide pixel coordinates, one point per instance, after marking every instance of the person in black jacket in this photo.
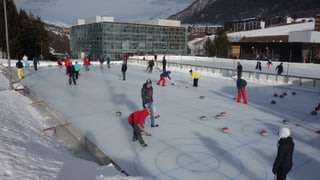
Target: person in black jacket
(279, 69)
(164, 63)
(147, 100)
(239, 70)
(70, 72)
(241, 85)
(283, 162)
(124, 70)
(19, 67)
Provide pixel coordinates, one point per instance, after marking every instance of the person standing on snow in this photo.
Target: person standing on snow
(239, 70)
(150, 66)
(194, 77)
(86, 63)
(124, 70)
(241, 85)
(76, 69)
(147, 100)
(279, 69)
(163, 76)
(19, 67)
(136, 119)
(35, 63)
(164, 63)
(101, 60)
(258, 66)
(269, 63)
(283, 162)
(70, 72)
(108, 61)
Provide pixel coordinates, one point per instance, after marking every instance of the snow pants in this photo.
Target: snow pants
(242, 93)
(20, 73)
(163, 80)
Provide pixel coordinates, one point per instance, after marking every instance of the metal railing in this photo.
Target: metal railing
(299, 81)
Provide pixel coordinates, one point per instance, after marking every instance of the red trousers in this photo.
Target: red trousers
(163, 80)
(242, 93)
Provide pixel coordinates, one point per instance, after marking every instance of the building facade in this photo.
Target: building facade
(102, 36)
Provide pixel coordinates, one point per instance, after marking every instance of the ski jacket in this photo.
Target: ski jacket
(86, 61)
(19, 64)
(76, 67)
(146, 94)
(284, 154)
(124, 67)
(137, 117)
(166, 74)
(70, 70)
(67, 62)
(241, 83)
(194, 75)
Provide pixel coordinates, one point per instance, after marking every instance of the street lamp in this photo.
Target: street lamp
(7, 39)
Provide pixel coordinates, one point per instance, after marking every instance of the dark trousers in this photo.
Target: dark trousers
(137, 133)
(195, 82)
(72, 78)
(35, 66)
(282, 173)
(123, 75)
(77, 74)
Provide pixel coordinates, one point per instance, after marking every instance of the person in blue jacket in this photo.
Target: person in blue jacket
(163, 76)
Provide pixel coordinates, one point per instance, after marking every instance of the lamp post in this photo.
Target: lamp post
(7, 39)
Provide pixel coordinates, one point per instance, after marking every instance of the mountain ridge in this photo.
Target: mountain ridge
(221, 11)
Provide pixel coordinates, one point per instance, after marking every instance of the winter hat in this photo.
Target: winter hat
(149, 81)
(190, 70)
(284, 132)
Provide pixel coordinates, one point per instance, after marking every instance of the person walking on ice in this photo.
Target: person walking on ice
(147, 100)
(241, 85)
(279, 69)
(194, 77)
(19, 67)
(136, 119)
(163, 76)
(283, 162)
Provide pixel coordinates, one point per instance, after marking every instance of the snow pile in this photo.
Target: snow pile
(27, 152)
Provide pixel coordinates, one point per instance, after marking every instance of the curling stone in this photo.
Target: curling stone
(201, 97)
(275, 95)
(285, 121)
(293, 93)
(203, 117)
(273, 102)
(118, 113)
(263, 132)
(225, 129)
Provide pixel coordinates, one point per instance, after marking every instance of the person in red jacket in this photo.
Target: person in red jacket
(136, 119)
(86, 63)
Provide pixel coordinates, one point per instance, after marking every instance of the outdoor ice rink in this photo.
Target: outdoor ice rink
(184, 146)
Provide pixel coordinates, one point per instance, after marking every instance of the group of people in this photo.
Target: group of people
(25, 64)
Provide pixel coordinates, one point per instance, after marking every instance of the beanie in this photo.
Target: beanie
(190, 70)
(284, 132)
(149, 81)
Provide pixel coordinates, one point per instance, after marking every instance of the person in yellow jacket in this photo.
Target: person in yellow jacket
(194, 77)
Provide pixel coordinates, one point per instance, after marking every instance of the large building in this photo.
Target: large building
(100, 35)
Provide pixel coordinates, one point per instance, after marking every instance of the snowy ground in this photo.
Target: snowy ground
(183, 147)
(27, 152)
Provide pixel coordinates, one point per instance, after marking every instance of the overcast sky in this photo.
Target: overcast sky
(68, 11)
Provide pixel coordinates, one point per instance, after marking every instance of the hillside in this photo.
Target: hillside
(220, 11)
